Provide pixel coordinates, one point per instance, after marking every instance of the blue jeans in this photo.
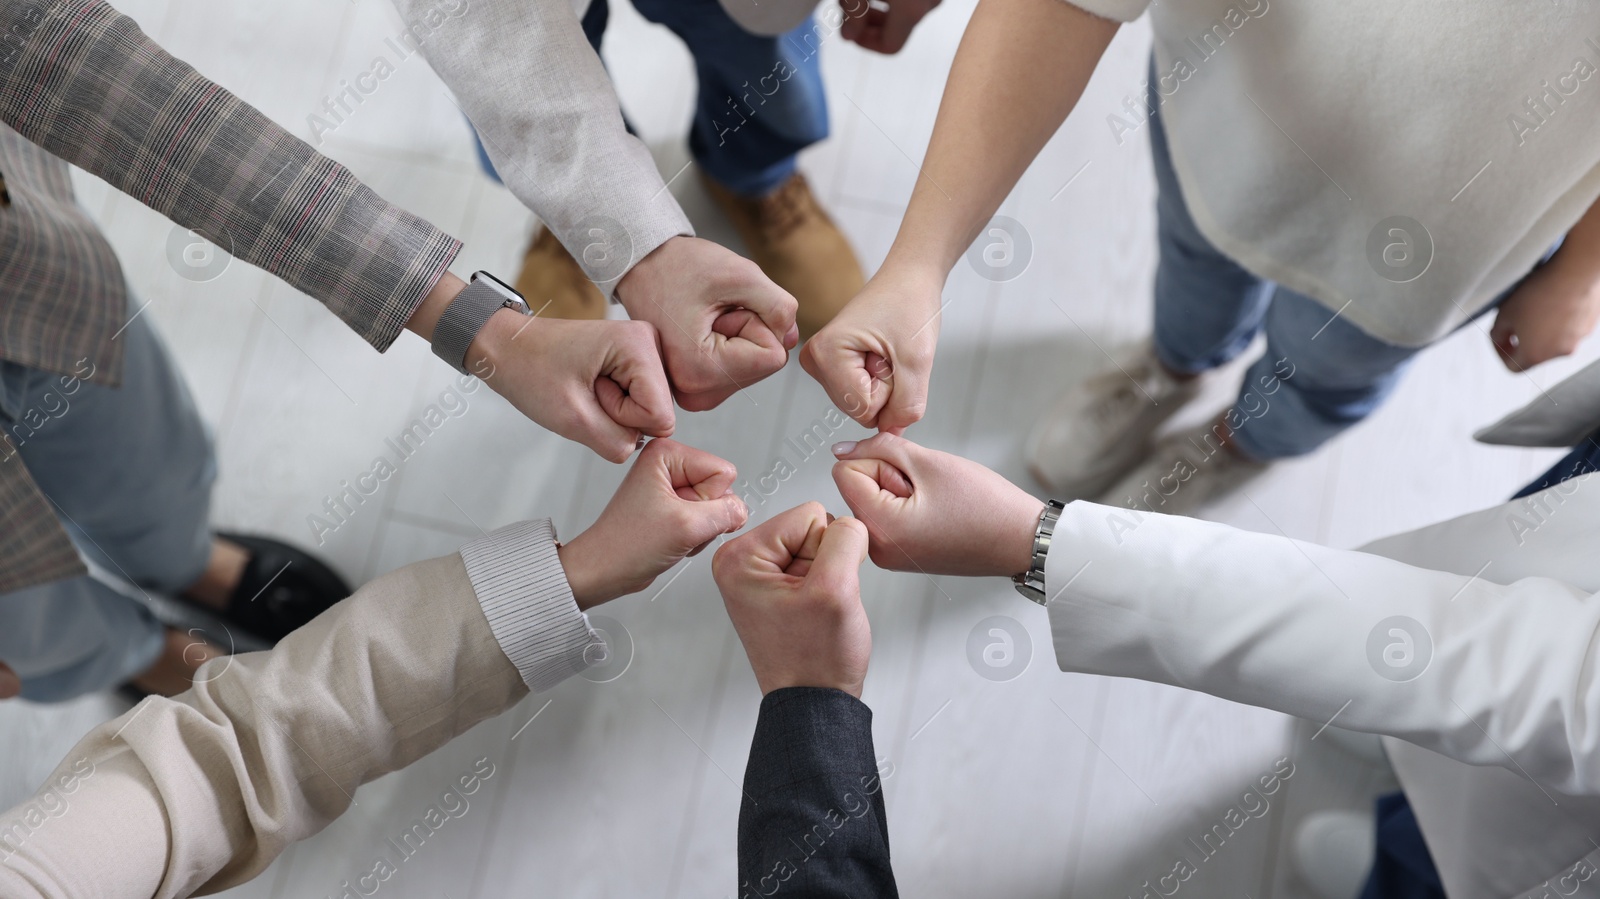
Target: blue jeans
(761, 99)
(129, 470)
(1208, 309)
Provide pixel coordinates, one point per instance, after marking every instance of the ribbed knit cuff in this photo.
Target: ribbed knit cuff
(523, 590)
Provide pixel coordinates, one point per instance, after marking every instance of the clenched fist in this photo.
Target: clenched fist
(793, 591)
(724, 325)
(933, 512)
(597, 382)
(674, 501)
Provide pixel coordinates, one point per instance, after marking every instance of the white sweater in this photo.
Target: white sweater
(1302, 132)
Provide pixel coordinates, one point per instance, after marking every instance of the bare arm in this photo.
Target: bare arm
(1020, 69)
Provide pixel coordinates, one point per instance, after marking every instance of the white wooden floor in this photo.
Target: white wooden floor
(1047, 785)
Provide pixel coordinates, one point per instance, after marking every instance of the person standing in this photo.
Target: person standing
(1354, 204)
(760, 101)
(105, 466)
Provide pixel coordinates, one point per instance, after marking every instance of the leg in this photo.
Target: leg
(129, 468)
(1207, 307)
(1402, 867)
(1319, 376)
(1099, 439)
(130, 471)
(760, 103)
(68, 638)
(760, 99)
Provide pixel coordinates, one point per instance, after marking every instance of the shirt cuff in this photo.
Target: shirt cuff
(523, 590)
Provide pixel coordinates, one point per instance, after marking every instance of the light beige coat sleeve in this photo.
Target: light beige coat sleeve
(203, 791)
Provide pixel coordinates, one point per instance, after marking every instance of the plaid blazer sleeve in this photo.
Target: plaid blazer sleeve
(82, 81)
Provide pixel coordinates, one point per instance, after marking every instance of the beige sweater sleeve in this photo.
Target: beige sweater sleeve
(203, 791)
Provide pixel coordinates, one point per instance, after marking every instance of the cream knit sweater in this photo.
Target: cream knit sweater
(1402, 162)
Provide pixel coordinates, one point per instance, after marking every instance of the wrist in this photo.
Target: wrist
(1573, 262)
(488, 349)
(426, 315)
(636, 280)
(1021, 525)
(585, 573)
(918, 275)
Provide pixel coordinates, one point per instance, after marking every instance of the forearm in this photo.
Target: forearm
(182, 145)
(812, 823)
(543, 104)
(1580, 249)
(1019, 71)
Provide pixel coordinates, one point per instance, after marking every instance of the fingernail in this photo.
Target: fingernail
(844, 448)
(830, 517)
(792, 336)
(639, 444)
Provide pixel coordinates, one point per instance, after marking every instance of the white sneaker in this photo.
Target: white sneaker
(1182, 473)
(1101, 428)
(1333, 852)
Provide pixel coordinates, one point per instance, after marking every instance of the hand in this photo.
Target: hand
(724, 325)
(597, 382)
(885, 30)
(933, 512)
(1548, 315)
(874, 359)
(793, 592)
(10, 684)
(673, 502)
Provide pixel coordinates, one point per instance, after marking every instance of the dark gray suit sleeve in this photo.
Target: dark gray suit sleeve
(812, 823)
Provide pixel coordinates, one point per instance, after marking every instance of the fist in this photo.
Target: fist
(1548, 315)
(724, 325)
(793, 592)
(875, 358)
(674, 501)
(599, 383)
(933, 512)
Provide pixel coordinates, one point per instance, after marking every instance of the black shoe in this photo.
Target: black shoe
(281, 588)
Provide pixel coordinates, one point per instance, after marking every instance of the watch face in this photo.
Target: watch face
(506, 291)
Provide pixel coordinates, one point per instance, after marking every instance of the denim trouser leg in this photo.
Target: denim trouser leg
(1320, 373)
(761, 100)
(129, 470)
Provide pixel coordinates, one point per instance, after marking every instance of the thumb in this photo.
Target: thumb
(907, 401)
(844, 375)
(596, 429)
(722, 515)
(836, 570)
(869, 486)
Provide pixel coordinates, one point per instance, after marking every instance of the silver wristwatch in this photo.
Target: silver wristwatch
(467, 314)
(1030, 583)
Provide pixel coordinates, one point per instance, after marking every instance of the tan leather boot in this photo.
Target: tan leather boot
(799, 247)
(552, 281)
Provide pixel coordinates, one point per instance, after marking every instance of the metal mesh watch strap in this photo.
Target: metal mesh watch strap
(466, 315)
(1030, 583)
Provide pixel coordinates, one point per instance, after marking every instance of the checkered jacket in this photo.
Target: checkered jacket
(81, 84)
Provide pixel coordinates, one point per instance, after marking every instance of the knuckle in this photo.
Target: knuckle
(725, 562)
